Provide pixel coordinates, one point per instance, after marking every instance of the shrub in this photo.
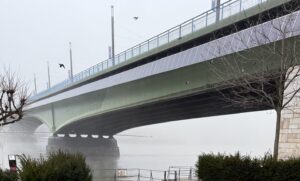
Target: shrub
(220, 167)
(59, 166)
(8, 176)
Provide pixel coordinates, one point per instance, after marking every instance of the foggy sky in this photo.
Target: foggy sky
(36, 31)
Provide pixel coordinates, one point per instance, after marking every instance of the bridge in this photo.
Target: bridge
(166, 78)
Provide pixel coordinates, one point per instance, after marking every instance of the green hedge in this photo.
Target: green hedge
(8, 176)
(236, 167)
(59, 166)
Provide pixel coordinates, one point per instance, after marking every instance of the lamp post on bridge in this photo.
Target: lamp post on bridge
(48, 70)
(216, 7)
(35, 88)
(112, 35)
(71, 62)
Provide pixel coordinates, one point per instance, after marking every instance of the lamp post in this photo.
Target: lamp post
(71, 62)
(49, 81)
(218, 9)
(112, 35)
(35, 88)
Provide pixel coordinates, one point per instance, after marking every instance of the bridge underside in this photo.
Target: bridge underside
(187, 107)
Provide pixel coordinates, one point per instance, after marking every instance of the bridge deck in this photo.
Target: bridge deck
(230, 12)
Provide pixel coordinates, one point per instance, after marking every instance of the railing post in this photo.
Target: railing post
(148, 42)
(165, 176)
(168, 36)
(157, 41)
(175, 176)
(179, 31)
(151, 176)
(190, 174)
(139, 175)
(115, 177)
(179, 174)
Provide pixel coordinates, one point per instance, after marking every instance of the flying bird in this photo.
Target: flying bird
(61, 65)
(136, 18)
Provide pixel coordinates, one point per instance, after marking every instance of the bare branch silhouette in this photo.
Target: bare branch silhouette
(13, 98)
(259, 66)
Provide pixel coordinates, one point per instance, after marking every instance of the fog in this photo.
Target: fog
(174, 143)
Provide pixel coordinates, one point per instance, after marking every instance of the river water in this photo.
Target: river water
(157, 147)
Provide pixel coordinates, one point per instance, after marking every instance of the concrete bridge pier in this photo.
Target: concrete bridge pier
(89, 146)
(289, 140)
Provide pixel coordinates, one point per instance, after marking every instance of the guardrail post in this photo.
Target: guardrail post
(179, 31)
(165, 176)
(139, 175)
(175, 176)
(190, 174)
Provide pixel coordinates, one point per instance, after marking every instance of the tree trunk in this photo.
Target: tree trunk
(277, 133)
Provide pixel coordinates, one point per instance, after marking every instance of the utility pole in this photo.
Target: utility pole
(71, 62)
(35, 89)
(112, 35)
(49, 81)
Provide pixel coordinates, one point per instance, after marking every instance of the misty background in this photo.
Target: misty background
(36, 31)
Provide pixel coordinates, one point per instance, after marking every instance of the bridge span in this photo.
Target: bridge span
(168, 77)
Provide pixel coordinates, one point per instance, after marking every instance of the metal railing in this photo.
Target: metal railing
(173, 174)
(188, 27)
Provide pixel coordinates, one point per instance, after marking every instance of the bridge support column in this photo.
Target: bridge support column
(89, 147)
(289, 140)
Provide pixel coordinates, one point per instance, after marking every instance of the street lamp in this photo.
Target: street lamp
(71, 62)
(112, 35)
(48, 70)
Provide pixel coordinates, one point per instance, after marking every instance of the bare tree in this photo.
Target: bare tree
(259, 66)
(13, 98)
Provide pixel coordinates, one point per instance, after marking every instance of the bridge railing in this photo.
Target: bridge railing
(188, 27)
(173, 174)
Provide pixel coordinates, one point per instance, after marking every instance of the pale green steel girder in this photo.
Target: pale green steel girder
(196, 78)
